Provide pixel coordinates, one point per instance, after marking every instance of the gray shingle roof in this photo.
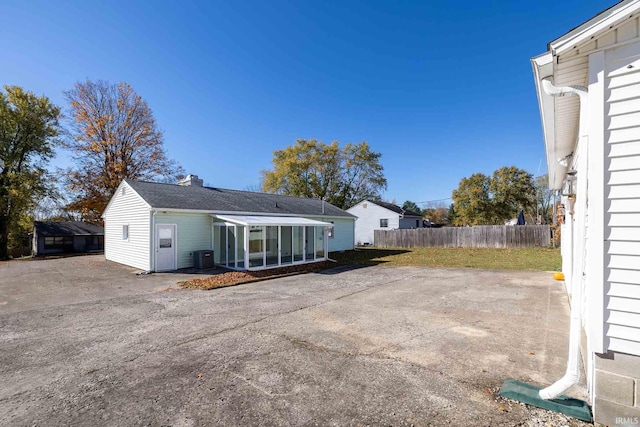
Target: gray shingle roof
(172, 196)
(67, 228)
(396, 209)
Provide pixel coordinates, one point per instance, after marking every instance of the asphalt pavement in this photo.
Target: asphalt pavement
(87, 342)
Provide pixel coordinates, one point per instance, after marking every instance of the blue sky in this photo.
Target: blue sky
(441, 89)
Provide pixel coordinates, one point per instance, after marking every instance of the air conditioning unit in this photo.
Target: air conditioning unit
(203, 259)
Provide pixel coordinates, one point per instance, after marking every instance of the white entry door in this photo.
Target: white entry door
(166, 247)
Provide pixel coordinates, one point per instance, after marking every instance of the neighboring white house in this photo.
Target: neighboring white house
(374, 215)
(588, 87)
(157, 227)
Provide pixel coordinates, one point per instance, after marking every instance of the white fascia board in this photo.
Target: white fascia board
(123, 183)
(218, 212)
(598, 24)
(271, 220)
(543, 68)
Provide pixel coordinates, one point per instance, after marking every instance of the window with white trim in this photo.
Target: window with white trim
(125, 232)
(384, 223)
(330, 233)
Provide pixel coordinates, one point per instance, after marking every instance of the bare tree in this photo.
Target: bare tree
(543, 209)
(113, 136)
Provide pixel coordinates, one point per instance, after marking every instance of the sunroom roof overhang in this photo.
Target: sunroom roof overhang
(271, 220)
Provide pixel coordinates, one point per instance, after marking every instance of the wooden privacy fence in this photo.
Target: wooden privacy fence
(480, 236)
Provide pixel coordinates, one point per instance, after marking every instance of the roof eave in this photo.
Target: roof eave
(265, 220)
(599, 23)
(542, 69)
(222, 212)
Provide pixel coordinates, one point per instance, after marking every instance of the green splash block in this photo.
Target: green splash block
(527, 393)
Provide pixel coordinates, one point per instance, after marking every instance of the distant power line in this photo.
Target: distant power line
(434, 201)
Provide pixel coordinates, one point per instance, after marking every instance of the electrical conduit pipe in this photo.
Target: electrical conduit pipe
(572, 375)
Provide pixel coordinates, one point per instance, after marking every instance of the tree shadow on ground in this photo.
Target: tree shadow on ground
(360, 258)
(366, 256)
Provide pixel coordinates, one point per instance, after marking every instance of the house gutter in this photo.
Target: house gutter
(215, 212)
(572, 375)
(542, 69)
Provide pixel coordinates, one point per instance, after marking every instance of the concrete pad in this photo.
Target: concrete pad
(39, 283)
(375, 345)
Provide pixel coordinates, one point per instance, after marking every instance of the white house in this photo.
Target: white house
(375, 215)
(588, 87)
(157, 227)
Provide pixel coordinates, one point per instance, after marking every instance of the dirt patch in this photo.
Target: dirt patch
(232, 278)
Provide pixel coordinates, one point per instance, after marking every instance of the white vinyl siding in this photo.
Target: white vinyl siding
(579, 221)
(127, 209)
(193, 233)
(369, 220)
(622, 195)
(572, 69)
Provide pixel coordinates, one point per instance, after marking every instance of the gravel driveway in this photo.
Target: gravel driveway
(368, 346)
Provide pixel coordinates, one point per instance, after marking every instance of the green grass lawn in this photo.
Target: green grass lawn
(501, 259)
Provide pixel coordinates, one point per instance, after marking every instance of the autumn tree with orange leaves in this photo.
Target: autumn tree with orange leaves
(112, 136)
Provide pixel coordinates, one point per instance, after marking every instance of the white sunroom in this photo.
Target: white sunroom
(244, 242)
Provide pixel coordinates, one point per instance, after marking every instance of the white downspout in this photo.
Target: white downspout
(572, 375)
(153, 240)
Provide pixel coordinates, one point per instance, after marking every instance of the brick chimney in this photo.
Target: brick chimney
(191, 180)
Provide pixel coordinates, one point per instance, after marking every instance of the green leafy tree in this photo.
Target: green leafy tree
(472, 201)
(28, 135)
(451, 214)
(114, 136)
(481, 199)
(411, 206)
(311, 168)
(512, 190)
